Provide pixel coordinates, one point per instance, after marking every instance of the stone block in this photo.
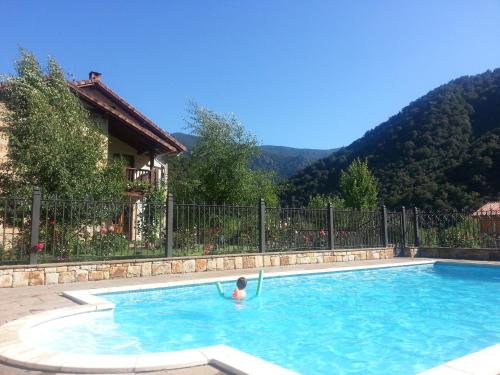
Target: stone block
(267, 260)
(117, 272)
(51, 278)
(249, 262)
(8, 271)
(212, 264)
(189, 266)
(61, 269)
(82, 275)
(97, 275)
(238, 263)
(161, 268)
(66, 277)
(275, 260)
(229, 264)
(220, 264)
(88, 267)
(102, 267)
(20, 279)
(259, 261)
(50, 269)
(5, 281)
(329, 259)
(146, 269)
(201, 265)
(37, 278)
(133, 271)
(177, 266)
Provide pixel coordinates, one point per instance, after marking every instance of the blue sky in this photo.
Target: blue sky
(308, 73)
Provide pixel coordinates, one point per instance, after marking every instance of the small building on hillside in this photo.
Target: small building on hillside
(489, 218)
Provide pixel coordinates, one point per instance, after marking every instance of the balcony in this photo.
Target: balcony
(139, 179)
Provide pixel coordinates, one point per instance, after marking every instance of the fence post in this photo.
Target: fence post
(331, 233)
(35, 223)
(384, 226)
(169, 244)
(415, 226)
(262, 226)
(403, 226)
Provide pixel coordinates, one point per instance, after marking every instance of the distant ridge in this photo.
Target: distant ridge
(441, 151)
(284, 161)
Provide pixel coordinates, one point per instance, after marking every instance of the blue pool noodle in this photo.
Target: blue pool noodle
(259, 284)
(220, 289)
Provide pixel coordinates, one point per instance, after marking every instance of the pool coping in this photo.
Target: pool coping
(14, 349)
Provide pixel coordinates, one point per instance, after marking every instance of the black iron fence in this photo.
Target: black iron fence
(52, 230)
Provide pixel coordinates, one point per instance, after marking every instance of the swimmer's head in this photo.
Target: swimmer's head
(241, 283)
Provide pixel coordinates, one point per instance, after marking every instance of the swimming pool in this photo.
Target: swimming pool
(391, 320)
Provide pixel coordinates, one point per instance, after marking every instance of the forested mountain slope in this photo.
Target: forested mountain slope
(441, 151)
(284, 161)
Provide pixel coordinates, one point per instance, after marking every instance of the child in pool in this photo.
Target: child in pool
(239, 292)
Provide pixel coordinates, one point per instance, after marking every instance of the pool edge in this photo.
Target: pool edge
(15, 351)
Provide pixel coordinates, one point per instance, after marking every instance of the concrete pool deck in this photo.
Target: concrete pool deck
(19, 302)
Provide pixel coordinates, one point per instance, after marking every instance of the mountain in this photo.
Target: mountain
(441, 151)
(284, 161)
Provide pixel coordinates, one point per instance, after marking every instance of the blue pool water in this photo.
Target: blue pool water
(396, 320)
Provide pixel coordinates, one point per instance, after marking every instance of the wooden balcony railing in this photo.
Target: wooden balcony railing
(144, 175)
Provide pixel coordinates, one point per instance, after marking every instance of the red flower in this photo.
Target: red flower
(322, 233)
(39, 247)
(104, 230)
(52, 222)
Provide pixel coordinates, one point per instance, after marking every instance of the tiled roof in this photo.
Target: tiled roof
(128, 113)
(488, 209)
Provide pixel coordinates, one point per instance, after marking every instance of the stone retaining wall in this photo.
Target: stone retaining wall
(457, 253)
(453, 253)
(47, 274)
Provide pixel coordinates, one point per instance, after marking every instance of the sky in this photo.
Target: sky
(310, 73)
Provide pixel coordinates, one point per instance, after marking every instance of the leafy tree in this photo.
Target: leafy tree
(322, 200)
(358, 186)
(217, 169)
(53, 140)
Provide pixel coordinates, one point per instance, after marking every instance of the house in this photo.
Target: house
(489, 218)
(131, 136)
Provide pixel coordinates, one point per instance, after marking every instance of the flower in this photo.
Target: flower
(322, 233)
(38, 247)
(104, 230)
(52, 222)
(111, 228)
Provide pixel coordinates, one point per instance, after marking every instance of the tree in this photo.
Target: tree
(358, 186)
(53, 140)
(322, 200)
(217, 169)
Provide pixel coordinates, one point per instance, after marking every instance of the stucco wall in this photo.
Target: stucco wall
(4, 139)
(46, 274)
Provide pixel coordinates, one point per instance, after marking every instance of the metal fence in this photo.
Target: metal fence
(52, 230)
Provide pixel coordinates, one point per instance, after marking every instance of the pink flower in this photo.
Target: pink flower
(322, 233)
(39, 247)
(111, 228)
(104, 230)
(52, 222)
